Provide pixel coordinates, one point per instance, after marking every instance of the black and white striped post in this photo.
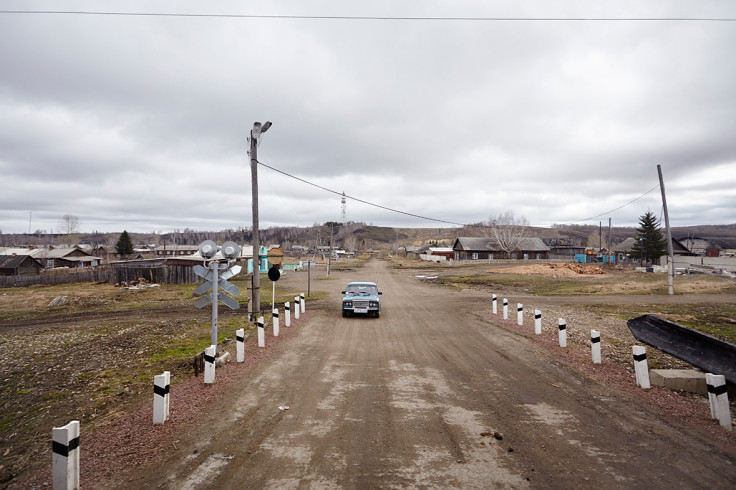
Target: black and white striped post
(261, 332)
(537, 322)
(297, 307)
(161, 388)
(505, 309)
(519, 314)
(641, 367)
(275, 322)
(495, 304)
(287, 314)
(240, 345)
(209, 364)
(595, 346)
(718, 397)
(303, 302)
(562, 327)
(65, 456)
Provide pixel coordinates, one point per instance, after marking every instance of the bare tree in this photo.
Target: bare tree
(350, 242)
(508, 231)
(69, 224)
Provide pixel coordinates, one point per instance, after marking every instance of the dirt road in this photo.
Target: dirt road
(430, 395)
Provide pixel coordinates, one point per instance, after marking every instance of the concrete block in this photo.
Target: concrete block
(680, 379)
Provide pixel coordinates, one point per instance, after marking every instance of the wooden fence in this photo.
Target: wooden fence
(113, 273)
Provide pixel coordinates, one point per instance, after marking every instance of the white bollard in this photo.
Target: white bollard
(495, 304)
(240, 344)
(275, 322)
(641, 368)
(209, 364)
(65, 456)
(161, 397)
(718, 397)
(296, 307)
(505, 309)
(287, 314)
(261, 333)
(537, 322)
(303, 303)
(562, 326)
(595, 346)
(519, 314)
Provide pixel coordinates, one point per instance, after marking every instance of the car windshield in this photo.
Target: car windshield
(362, 289)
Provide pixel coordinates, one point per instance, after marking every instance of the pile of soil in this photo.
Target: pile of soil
(557, 270)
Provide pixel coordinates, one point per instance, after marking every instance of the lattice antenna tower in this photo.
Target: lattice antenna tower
(344, 206)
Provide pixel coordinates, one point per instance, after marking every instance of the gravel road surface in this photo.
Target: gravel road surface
(430, 395)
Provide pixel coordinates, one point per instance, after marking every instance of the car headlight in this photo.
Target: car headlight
(373, 303)
(347, 303)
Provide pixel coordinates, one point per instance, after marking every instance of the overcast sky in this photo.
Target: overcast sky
(142, 122)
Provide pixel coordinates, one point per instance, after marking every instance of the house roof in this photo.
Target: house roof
(625, 246)
(14, 261)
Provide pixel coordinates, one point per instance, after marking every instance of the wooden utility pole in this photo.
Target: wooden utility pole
(670, 255)
(254, 306)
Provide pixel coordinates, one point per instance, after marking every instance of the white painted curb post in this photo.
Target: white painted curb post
(240, 344)
(537, 322)
(261, 333)
(287, 313)
(563, 331)
(296, 307)
(641, 367)
(65, 456)
(718, 397)
(161, 397)
(519, 314)
(595, 346)
(505, 309)
(275, 322)
(303, 303)
(209, 364)
(495, 304)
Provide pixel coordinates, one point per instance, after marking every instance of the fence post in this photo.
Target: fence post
(595, 346)
(65, 456)
(537, 322)
(303, 303)
(562, 326)
(161, 397)
(495, 304)
(296, 307)
(275, 322)
(505, 309)
(287, 313)
(240, 344)
(209, 364)
(641, 368)
(261, 333)
(718, 397)
(519, 314)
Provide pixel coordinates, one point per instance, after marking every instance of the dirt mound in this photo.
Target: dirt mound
(558, 270)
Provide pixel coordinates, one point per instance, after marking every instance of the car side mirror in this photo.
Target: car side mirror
(343, 292)
(380, 293)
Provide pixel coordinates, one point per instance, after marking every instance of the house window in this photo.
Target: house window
(475, 255)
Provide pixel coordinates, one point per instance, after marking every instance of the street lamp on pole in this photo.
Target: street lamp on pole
(254, 306)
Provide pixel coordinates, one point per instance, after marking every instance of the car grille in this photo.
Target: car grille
(362, 303)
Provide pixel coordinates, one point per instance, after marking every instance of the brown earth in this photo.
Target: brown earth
(437, 392)
(556, 270)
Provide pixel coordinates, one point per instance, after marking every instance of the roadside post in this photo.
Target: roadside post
(303, 302)
(209, 364)
(519, 314)
(287, 314)
(161, 383)
(240, 344)
(537, 322)
(495, 304)
(595, 346)
(275, 322)
(562, 326)
(261, 333)
(718, 397)
(65, 456)
(296, 307)
(641, 368)
(505, 309)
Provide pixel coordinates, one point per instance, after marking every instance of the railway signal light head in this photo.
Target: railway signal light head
(208, 249)
(230, 250)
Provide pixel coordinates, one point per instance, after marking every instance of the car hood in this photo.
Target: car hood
(372, 297)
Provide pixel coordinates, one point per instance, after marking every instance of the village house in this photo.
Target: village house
(483, 248)
(15, 265)
(71, 257)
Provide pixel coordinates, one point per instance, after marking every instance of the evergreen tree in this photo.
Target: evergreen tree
(124, 246)
(651, 243)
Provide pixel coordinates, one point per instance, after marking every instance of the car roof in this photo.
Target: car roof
(362, 283)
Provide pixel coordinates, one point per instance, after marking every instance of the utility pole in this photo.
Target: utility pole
(670, 255)
(254, 306)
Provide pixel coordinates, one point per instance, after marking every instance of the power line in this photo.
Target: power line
(374, 18)
(613, 210)
(342, 194)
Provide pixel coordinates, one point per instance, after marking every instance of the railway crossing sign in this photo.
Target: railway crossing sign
(207, 275)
